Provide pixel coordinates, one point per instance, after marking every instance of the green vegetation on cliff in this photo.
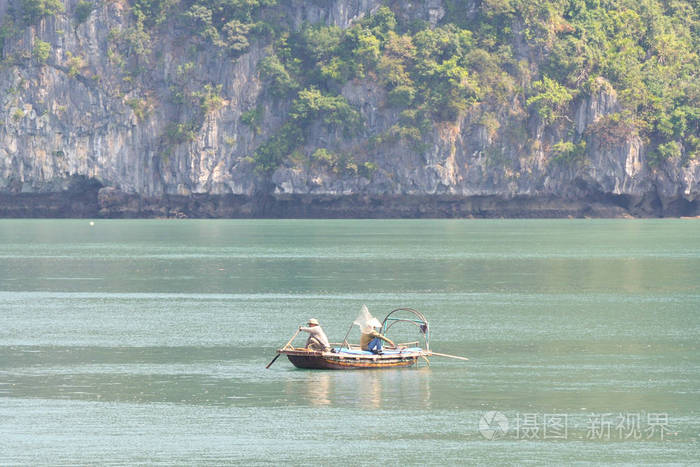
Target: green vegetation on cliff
(542, 54)
(528, 60)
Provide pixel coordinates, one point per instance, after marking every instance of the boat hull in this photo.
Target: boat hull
(337, 361)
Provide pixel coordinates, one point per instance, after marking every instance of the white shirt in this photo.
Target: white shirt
(318, 333)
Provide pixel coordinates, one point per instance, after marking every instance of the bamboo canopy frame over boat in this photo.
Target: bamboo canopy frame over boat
(417, 320)
(345, 356)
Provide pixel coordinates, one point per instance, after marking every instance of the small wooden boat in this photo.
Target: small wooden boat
(346, 357)
(350, 359)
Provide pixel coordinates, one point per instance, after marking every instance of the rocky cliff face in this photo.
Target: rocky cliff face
(82, 122)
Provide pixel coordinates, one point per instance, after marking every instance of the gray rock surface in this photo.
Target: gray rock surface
(96, 122)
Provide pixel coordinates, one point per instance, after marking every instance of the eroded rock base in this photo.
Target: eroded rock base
(112, 203)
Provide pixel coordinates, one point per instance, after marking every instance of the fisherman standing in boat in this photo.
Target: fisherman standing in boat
(371, 340)
(317, 339)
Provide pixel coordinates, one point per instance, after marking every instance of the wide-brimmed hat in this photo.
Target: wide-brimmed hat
(313, 321)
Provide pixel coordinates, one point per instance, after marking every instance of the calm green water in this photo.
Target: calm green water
(146, 341)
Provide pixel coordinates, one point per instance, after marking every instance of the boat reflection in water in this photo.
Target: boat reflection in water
(366, 389)
(318, 389)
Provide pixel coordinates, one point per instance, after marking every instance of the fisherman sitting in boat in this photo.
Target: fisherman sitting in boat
(317, 339)
(372, 341)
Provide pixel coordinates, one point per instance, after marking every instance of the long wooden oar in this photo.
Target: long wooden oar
(447, 355)
(273, 361)
(345, 339)
(285, 346)
(290, 340)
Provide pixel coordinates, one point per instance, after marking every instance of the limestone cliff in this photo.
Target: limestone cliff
(102, 125)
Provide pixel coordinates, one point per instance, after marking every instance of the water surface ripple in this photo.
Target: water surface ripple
(134, 342)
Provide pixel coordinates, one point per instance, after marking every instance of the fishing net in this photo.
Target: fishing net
(366, 321)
